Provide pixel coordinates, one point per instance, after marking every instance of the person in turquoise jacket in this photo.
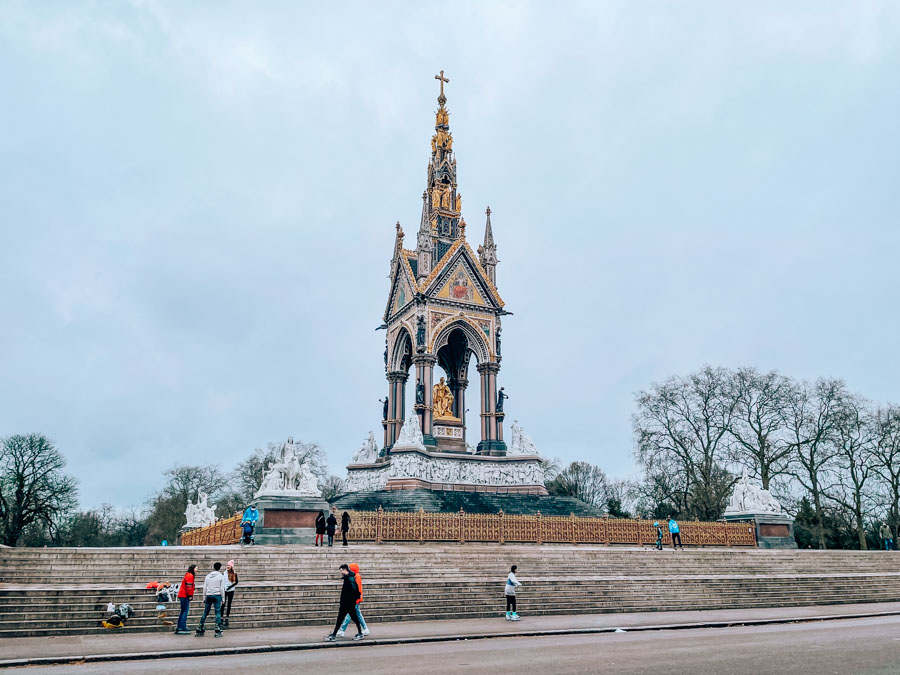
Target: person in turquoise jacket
(676, 534)
(251, 515)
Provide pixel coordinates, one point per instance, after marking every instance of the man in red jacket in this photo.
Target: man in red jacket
(185, 593)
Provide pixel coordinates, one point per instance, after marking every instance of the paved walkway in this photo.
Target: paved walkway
(118, 646)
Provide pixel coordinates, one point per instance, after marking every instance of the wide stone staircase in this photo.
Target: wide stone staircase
(65, 591)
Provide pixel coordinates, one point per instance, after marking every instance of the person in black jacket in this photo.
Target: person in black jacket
(345, 526)
(330, 524)
(320, 529)
(349, 595)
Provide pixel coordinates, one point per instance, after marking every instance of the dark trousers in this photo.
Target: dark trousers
(210, 602)
(511, 603)
(182, 618)
(676, 536)
(330, 538)
(344, 536)
(229, 596)
(659, 543)
(351, 610)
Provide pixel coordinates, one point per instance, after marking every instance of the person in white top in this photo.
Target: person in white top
(511, 584)
(213, 592)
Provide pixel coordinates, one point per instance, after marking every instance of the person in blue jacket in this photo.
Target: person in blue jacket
(251, 515)
(676, 533)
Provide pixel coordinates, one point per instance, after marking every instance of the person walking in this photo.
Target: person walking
(345, 526)
(320, 529)
(231, 582)
(676, 533)
(659, 536)
(887, 536)
(354, 568)
(330, 525)
(185, 593)
(213, 592)
(510, 591)
(349, 595)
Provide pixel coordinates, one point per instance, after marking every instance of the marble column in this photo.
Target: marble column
(396, 405)
(425, 374)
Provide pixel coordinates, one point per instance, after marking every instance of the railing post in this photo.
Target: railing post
(572, 525)
(462, 522)
(500, 528)
(379, 525)
(540, 523)
(725, 528)
(607, 537)
(421, 525)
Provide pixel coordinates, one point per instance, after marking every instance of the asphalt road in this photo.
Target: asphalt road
(865, 646)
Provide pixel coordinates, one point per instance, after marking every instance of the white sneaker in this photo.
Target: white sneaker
(365, 631)
(340, 633)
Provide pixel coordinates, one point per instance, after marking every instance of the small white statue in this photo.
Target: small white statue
(410, 434)
(521, 443)
(748, 498)
(200, 514)
(368, 453)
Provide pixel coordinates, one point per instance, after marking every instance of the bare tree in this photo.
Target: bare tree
(811, 414)
(33, 486)
(854, 439)
(758, 425)
(582, 480)
(886, 453)
(331, 487)
(683, 426)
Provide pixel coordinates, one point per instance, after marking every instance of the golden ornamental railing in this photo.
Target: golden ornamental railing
(223, 531)
(380, 526)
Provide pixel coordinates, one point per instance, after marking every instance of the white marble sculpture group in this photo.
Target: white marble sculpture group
(200, 514)
(368, 453)
(410, 434)
(289, 476)
(749, 499)
(521, 443)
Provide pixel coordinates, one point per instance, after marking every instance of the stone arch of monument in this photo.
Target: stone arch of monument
(474, 336)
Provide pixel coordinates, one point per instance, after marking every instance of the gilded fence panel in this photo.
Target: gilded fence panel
(557, 529)
(363, 524)
(400, 526)
(482, 526)
(521, 528)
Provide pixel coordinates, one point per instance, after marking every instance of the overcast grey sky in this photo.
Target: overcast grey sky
(197, 204)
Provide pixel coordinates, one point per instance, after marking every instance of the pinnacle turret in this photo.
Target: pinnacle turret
(487, 252)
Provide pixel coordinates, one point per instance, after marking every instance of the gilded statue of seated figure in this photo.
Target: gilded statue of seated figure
(443, 400)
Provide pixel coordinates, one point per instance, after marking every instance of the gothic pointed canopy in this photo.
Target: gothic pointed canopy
(443, 305)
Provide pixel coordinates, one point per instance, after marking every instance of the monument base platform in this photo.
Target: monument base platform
(772, 530)
(413, 467)
(288, 519)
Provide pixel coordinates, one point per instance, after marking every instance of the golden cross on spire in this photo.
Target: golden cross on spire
(442, 79)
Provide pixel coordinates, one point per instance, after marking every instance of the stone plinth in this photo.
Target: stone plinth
(450, 434)
(773, 530)
(288, 519)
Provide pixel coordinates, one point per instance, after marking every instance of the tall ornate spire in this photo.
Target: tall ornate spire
(443, 201)
(487, 253)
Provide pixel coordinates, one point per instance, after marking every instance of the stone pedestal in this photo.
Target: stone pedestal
(773, 530)
(288, 519)
(449, 434)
